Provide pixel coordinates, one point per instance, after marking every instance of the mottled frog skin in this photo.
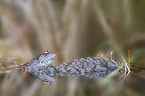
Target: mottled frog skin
(38, 65)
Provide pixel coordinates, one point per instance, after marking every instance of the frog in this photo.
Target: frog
(39, 65)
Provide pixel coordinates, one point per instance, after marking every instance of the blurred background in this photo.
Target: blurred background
(71, 29)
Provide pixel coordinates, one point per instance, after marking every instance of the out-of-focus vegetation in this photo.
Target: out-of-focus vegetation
(72, 29)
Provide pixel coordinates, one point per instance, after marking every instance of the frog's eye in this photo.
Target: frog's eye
(22, 68)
